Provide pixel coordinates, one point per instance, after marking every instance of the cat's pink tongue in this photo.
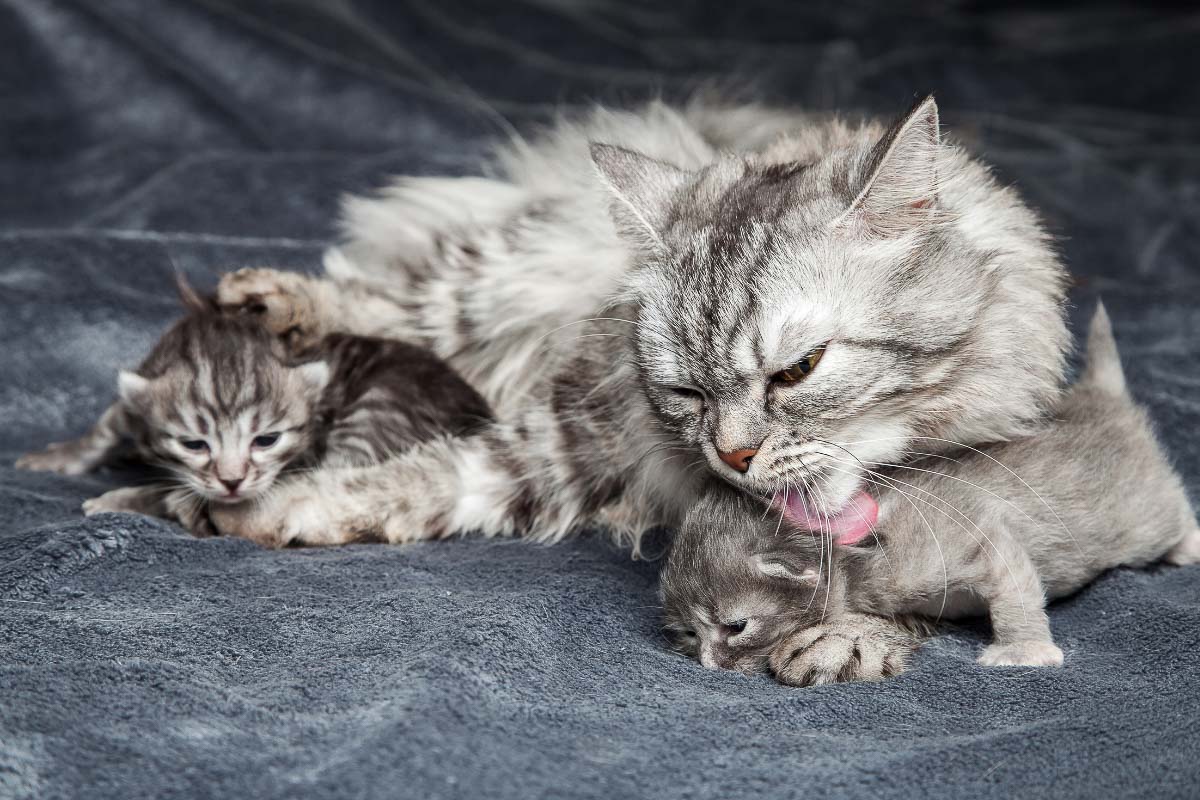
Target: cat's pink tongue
(849, 525)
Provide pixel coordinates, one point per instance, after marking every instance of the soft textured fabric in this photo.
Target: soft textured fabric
(137, 138)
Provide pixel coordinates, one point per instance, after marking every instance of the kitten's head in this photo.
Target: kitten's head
(737, 582)
(803, 320)
(220, 408)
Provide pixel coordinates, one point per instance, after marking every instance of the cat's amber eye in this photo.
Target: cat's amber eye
(801, 369)
(195, 445)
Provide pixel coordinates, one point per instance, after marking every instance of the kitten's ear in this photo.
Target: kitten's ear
(315, 375)
(774, 567)
(642, 188)
(133, 389)
(899, 180)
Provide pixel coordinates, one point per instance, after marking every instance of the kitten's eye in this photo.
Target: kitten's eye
(266, 440)
(735, 627)
(195, 445)
(800, 370)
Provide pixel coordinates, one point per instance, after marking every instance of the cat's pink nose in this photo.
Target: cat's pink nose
(739, 459)
(231, 484)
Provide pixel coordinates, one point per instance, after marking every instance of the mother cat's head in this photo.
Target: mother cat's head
(835, 302)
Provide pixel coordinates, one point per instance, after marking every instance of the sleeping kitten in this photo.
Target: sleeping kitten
(956, 536)
(224, 406)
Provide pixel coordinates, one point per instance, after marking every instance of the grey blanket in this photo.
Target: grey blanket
(137, 138)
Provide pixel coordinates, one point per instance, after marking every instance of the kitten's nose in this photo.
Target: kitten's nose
(739, 459)
(232, 483)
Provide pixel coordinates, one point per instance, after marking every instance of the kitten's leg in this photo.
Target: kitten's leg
(489, 484)
(130, 499)
(1017, 606)
(83, 454)
(177, 505)
(189, 511)
(850, 647)
(1186, 552)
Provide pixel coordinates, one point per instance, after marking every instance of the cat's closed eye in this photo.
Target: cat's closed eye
(801, 369)
(687, 392)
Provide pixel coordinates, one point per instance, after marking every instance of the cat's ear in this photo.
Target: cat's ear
(315, 376)
(133, 389)
(899, 185)
(642, 187)
(774, 567)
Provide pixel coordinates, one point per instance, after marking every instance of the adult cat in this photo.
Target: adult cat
(765, 284)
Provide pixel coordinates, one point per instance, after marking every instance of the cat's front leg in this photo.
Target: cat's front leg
(297, 308)
(82, 455)
(419, 495)
(851, 647)
(482, 484)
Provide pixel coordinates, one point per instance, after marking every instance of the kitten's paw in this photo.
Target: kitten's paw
(63, 458)
(116, 501)
(283, 301)
(1022, 654)
(854, 648)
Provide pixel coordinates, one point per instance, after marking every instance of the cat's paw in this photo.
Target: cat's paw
(1022, 654)
(63, 458)
(283, 302)
(286, 519)
(854, 648)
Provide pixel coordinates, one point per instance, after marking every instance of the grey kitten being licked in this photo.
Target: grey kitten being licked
(957, 534)
(225, 406)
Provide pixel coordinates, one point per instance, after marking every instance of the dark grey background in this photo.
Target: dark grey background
(141, 137)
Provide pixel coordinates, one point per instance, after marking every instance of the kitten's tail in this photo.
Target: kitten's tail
(1102, 370)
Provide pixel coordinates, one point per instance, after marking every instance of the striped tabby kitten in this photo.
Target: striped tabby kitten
(956, 537)
(765, 284)
(225, 407)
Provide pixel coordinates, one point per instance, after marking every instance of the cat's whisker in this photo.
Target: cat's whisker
(887, 482)
(935, 473)
(929, 527)
(829, 530)
(991, 458)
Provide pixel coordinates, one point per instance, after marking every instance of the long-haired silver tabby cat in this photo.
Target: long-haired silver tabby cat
(767, 289)
(957, 535)
(227, 403)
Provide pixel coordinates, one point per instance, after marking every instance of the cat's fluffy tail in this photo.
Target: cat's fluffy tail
(1102, 370)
